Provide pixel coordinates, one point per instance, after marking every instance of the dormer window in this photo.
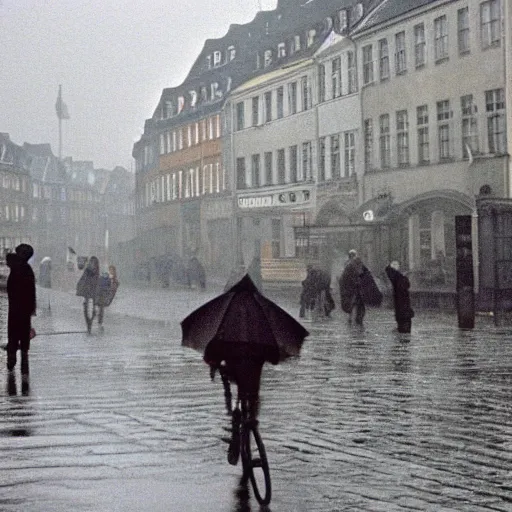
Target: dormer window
(343, 19)
(209, 61)
(311, 37)
(297, 43)
(217, 58)
(231, 53)
(267, 58)
(281, 50)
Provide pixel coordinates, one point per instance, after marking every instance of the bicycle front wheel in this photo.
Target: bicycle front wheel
(255, 463)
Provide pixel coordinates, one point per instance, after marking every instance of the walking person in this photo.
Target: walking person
(351, 289)
(401, 298)
(87, 287)
(21, 294)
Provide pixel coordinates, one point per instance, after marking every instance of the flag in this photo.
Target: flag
(60, 107)
(469, 152)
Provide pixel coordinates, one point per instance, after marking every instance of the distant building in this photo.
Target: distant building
(15, 196)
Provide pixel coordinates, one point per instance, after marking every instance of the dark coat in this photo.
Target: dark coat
(350, 284)
(21, 294)
(401, 298)
(88, 284)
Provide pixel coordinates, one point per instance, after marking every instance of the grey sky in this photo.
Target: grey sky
(112, 57)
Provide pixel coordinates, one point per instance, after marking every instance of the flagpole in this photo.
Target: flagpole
(60, 125)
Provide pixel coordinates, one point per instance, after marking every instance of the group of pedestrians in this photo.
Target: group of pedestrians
(98, 291)
(357, 289)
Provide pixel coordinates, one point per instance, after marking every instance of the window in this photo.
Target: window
(440, 38)
(162, 143)
(255, 170)
(280, 102)
(423, 134)
(321, 83)
(350, 153)
(306, 93)
(268, 168)
(490, 23)
(443, 129)
(293, 164)
(212, 127)
(400, 60)
(189, 136)
(419, 45)
(268, 106)
(336, 77)
(307, 162)
(180, 138)
(240, 173)
(351, 72)
(368, 144)
(292, 98)
(296, 45)
(383, 59)
(240, 122)
(384, 141)
(311, 35)
(402, 138)
(281, 50)
(367, 64)
(255, 110)
(463, 30)
(469, 126)
(267, 58)
(495, 108)
(321, 159)
(281, 167)
(335, 157)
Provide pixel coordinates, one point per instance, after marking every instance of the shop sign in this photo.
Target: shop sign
(255, 202)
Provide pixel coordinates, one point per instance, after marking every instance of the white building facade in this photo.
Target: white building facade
(434, 124)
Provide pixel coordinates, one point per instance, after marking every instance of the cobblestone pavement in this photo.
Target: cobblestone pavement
(365, 420)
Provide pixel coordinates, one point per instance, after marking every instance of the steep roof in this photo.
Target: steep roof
(389, 10)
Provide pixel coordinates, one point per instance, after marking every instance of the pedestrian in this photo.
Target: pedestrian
(87, 287)
(401, 298)
(107, 288)
(350, 289)
(21, 294)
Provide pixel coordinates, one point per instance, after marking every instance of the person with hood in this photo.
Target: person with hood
(88, 287)
(351, 289)
(21, 294)
(402, 301)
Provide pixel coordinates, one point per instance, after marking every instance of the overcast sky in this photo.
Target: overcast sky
(112, 57)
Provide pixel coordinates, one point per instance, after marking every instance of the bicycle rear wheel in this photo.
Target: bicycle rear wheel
(256, 467)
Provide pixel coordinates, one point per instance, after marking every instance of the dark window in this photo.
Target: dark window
(240, 173)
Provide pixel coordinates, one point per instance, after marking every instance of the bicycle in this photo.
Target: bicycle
(246, 442)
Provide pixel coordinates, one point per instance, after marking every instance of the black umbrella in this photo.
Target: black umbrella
(244, 315)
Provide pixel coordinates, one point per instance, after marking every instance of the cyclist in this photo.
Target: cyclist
(241, 363)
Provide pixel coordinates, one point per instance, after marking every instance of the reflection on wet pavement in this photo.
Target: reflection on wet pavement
(364, 420)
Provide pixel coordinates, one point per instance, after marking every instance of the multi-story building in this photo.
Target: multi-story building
(292, 135)
(15, 196)
(434, 126)
(184, 158)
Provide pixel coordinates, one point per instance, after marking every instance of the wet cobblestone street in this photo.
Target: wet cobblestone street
(364, 420)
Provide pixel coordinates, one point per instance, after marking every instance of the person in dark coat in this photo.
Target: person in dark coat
(402, 301)
(21, 294)
(350, 289)
(88, 288)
